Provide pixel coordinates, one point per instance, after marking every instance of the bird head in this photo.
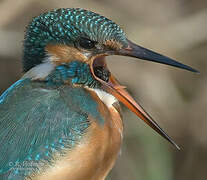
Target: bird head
(61, 36)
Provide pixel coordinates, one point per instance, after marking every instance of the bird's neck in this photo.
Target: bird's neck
(75, 72)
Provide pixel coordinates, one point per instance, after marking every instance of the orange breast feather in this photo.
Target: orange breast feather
(96, 154)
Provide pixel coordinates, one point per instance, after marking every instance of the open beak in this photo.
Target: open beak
(113, 87)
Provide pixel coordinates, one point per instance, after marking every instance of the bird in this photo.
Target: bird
(62, 119)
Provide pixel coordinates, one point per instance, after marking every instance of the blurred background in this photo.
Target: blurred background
(177, 99)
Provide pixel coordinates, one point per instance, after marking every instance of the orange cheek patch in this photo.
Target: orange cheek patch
(113, 44)
(64, 54)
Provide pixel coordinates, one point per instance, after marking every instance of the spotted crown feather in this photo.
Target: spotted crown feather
(65, 26)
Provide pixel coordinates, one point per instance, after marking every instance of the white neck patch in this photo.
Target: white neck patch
(107, 98)
(41, 71)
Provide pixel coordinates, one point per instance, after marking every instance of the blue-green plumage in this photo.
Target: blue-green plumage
(76, 72)
(44, 118)
(66, 26)
(41, 121)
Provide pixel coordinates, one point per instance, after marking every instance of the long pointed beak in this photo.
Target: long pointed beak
(123, 96)
(137, 51)
(113, 87)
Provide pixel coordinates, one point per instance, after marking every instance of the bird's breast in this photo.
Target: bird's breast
(95, 155)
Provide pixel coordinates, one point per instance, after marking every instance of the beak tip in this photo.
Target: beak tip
(197, 72)
(192, 70)
(137, 51)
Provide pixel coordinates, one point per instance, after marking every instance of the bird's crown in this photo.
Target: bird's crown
(67, 26)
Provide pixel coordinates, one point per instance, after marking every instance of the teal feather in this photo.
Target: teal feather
(66, 26)
(76, 71)
(37, 121)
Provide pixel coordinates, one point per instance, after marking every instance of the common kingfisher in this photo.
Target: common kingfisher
(62, 120)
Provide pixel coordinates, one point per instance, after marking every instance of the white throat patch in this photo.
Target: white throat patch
(107, 98)
(40, 71)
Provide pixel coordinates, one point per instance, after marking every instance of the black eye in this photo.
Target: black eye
(86, 43)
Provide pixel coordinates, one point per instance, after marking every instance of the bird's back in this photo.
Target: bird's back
(59, 130)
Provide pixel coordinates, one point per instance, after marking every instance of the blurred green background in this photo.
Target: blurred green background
(177, 99)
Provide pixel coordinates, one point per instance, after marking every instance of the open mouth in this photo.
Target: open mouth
(100, 70)
(110, 84)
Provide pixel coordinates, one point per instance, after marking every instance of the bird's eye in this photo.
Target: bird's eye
(87, 43)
